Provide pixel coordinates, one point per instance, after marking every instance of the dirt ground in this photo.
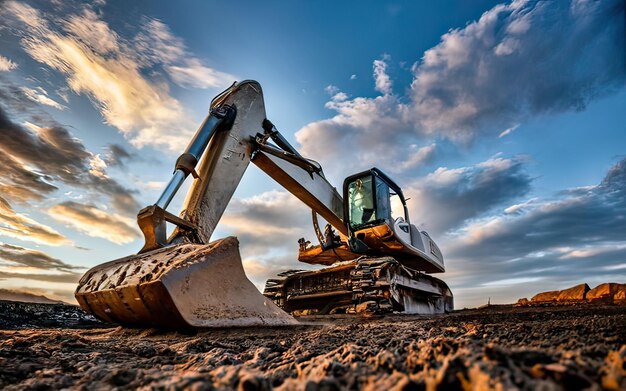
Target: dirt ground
(574, 347)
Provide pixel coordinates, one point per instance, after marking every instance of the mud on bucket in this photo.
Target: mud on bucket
(185, 285)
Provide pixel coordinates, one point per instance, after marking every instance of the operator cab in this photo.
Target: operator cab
(372, 199)
(377, 217)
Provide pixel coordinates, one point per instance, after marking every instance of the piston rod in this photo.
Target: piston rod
(220, 118)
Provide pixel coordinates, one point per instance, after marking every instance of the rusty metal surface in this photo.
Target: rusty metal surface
(186, 285)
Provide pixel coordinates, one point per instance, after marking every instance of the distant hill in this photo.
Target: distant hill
(12, 295)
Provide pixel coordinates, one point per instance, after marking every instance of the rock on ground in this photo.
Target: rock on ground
(498, 347)
(545, 296)
(609, 293)
(575, 293)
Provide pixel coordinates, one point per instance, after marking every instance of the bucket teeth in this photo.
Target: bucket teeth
(185, 285)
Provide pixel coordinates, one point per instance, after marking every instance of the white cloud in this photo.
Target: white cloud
(95, 223)
(511, 281)
(490, 75)
(93, 32)
(508, 131)
(417, 157)
(26, 14)
(498, 70)
(339, 97)
(335, 94)
(369, 127)
(448, 197)
(521, 207)
(19, 226)
(6, 64)
(382, 79)
(63, 92)
(591, 250)
(97, 166)
(41, 98)
(194, 74)
(331, 89)
(159, 44)
(621, 266)
(155, 185)
(109, 69)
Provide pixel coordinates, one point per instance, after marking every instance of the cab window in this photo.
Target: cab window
(361, 202)
(397, 208)
(383, 202)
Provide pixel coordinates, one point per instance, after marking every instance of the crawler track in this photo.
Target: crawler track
(369, 284)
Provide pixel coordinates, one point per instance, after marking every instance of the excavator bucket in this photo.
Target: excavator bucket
(179, 286)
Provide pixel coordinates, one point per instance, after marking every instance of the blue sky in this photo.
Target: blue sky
(504, 123)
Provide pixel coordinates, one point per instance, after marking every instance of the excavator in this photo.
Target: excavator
(377, 260)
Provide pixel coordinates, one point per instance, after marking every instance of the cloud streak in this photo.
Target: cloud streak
(94, 222)
(117, 156)
(417, 157)
(446, 198)
(41, 97)
(19, 226)
(158, 44)
(109, 69)
(36, 157)
(64, 278)
(6, 64)
(32, 258)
